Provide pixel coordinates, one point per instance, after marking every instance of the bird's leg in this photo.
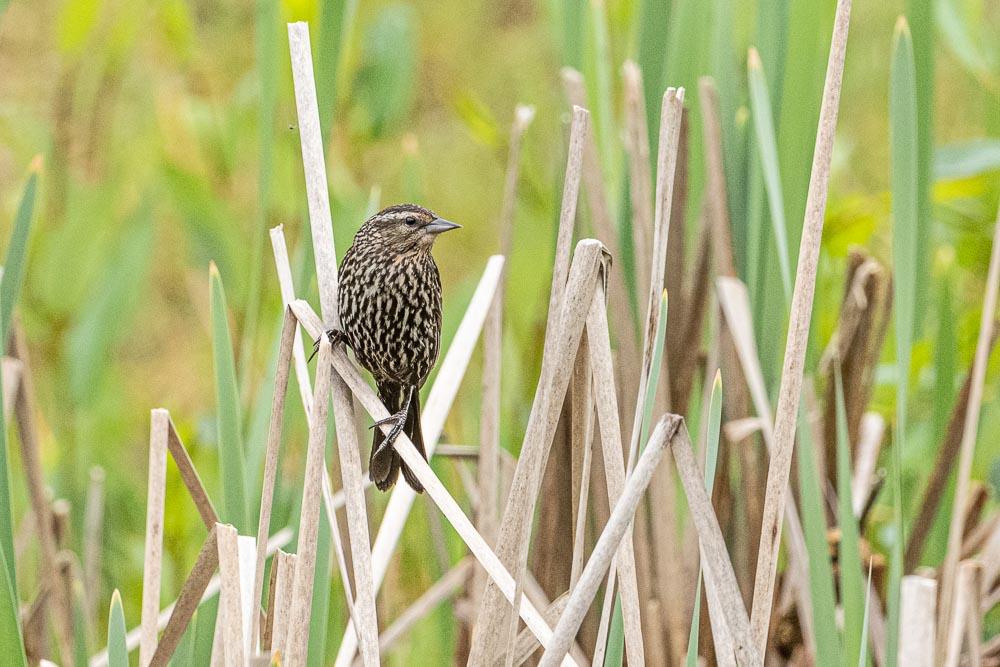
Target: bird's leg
(398, 421)
(335, 335)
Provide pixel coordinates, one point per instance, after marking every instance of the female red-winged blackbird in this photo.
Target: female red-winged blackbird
(390, 313)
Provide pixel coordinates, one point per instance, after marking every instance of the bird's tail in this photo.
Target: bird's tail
(385, 467)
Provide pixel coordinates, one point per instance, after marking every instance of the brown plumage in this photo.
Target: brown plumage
(390, 314)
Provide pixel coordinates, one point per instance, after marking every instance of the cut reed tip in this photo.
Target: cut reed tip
(753, 59)
(213, 270)
(36, 164)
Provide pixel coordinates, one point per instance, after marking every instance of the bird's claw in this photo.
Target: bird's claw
(334, 335)
(398, 420)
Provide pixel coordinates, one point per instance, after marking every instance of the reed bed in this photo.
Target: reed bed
(645, 353)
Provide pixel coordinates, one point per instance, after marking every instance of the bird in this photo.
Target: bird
(389, 303)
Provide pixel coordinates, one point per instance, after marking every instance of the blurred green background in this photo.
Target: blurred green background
(169, 137)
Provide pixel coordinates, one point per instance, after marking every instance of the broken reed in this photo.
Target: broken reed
(578, 382)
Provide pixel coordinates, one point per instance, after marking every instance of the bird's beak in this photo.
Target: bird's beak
(440, 225)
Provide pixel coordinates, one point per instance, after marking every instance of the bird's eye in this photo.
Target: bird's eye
(411, 221)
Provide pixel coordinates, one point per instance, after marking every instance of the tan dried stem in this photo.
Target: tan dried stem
(969, 434)
(790, 389)
(321, 226)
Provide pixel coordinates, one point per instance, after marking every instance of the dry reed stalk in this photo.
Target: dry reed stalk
(641, 180)
(284, 582)
(93, 532)
(523, 115)
(230, 596)
(798, 333)
(975, 540)
(277, 541)
(974, 504)
(527, 643)
(990, 559)
(12, 370)
(674, 279)
(857, 344)
(671, 115)
(605, 230)
(715, 175)
(31, 452)
(671, 110)
(432, 485)
(870, 435)
(299, 614)
(439, 401)
(447, 586)
(191, 594)
(153, 559)
(582, 409)
(965, 616)
(189, 475)
(551, 561)
(735, 302)
(614, 467)
(284, 269)
(944, 463)
(331, 501)
(267, 625)
(593, 178)
(289, 329)
(720, 579)
(735, 399)
(320, 223)
(969, 433)
(699, 293)
(918, 598)
(608, 543)
(515, 526)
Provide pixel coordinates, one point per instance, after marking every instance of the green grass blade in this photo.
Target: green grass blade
(10, 288)
(851, 588)
(906, 265)
(117, 650)
(654, 370)
(615, 654)
(230, 439)
(319, 619)
(767, 149)
(336, 23)
(863, 658)
(11, 643)
(920, 14)
(828, 649)
(204, 635)
(17, 251)
(711, 461)
(653, 15)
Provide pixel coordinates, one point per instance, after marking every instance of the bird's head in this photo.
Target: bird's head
(406, 228)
